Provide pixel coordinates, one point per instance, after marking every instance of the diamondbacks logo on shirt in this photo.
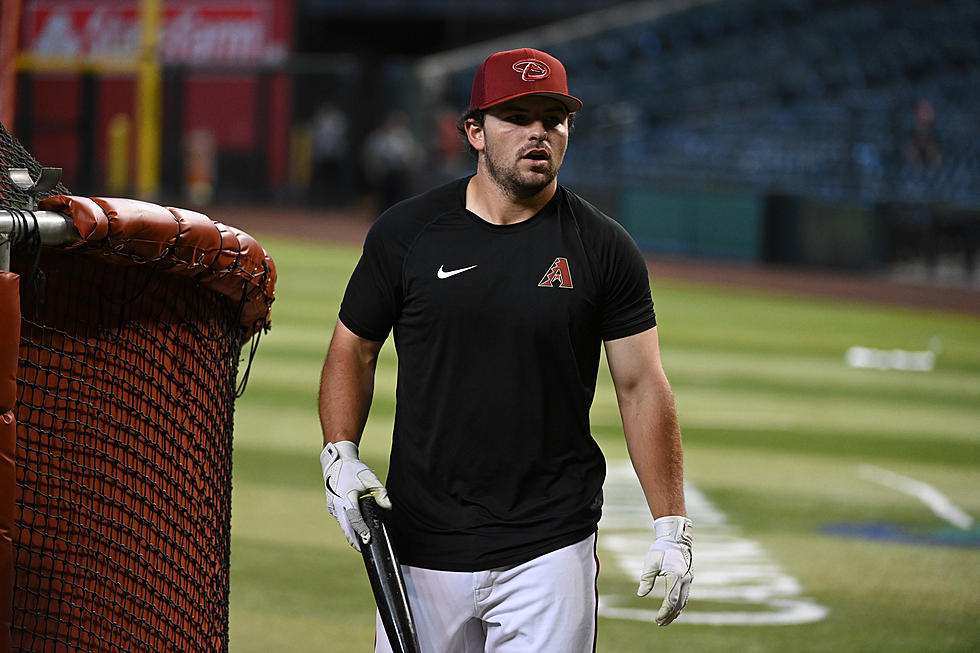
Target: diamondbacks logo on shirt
(557, 275)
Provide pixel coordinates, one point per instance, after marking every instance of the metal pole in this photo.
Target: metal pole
(54, 229)
(149, 102)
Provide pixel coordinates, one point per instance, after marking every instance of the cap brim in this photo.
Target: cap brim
(571, 103)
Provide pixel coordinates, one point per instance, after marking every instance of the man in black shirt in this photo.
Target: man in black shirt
(500, 289)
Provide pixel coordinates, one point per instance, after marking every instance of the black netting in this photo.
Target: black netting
(126, 385)
(14, 155)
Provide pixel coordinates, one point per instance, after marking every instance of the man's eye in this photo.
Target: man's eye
(523, 119)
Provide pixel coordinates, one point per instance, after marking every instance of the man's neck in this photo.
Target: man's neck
(491, 203)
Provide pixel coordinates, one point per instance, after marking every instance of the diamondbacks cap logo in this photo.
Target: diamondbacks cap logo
(532, 70)
(558, 274)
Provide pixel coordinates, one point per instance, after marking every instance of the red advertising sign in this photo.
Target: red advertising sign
(192, 31)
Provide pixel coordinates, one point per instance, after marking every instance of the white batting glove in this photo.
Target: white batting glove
(669, 556)
(346, 479)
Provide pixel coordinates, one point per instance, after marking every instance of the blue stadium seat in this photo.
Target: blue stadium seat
(812, 97)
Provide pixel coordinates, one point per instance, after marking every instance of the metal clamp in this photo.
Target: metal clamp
(52, 228)
(21, 177)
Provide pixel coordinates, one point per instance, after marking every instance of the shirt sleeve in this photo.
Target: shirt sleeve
(627, 307)
(373, 296)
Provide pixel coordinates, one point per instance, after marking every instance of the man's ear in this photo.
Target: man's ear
(475, 134)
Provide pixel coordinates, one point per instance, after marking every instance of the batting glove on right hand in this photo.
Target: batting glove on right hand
(346, 479)
(669, 556)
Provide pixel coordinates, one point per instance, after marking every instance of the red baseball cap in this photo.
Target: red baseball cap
(507, 75)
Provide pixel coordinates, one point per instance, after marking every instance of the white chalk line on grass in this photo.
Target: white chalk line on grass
(935, 500)
(728, 568)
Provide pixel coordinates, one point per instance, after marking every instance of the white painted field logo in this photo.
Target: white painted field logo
(532, 70)
(728, 568)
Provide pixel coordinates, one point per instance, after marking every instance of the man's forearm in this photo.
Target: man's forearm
(653, 440)
(346, 386)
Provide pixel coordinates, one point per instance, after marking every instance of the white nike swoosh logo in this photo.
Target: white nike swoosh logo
(445, 274)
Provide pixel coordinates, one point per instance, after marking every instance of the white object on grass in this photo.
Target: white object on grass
(890, 359)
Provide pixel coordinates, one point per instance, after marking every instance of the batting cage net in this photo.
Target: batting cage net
(117, 390)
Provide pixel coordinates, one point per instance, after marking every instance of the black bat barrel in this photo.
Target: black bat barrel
(387, 582)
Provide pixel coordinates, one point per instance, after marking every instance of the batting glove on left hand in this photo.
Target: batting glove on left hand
(347, 479)
(670, 557)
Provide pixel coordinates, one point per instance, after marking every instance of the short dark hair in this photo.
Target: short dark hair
(480, 115)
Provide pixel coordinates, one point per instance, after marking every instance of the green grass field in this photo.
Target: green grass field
(777, 431)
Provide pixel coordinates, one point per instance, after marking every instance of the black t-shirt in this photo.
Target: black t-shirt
(498, 332)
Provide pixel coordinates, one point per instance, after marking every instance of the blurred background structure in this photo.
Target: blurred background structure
(818, 133)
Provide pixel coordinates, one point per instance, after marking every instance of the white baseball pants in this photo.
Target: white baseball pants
(545, 605)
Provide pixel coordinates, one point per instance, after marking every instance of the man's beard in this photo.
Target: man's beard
(516, 184)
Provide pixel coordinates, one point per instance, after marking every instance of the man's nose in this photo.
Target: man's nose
(537, 129)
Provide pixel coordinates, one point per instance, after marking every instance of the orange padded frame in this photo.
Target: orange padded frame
(9, 342)
(220, 257)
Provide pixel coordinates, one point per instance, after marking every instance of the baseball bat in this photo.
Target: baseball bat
(387, 582)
